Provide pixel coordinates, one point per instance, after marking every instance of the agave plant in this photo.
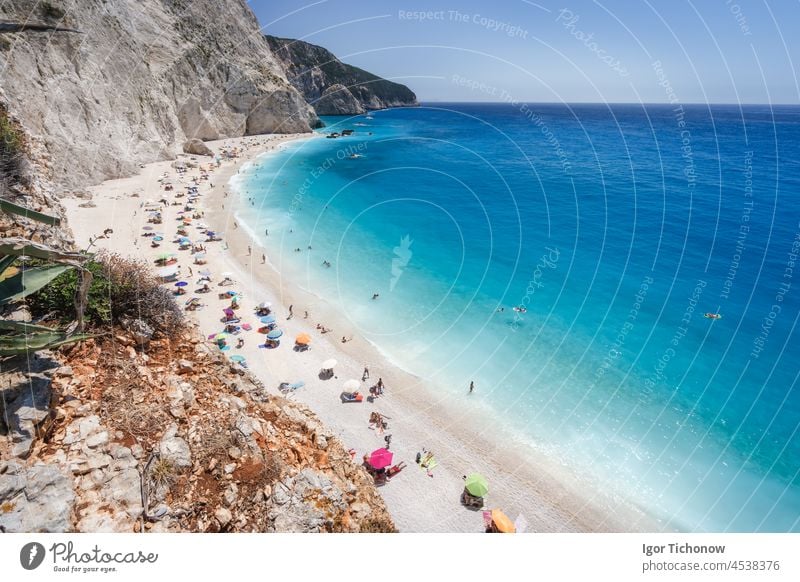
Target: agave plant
(17, 283)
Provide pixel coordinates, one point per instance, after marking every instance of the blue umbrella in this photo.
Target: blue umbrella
(158, 238)
(181, 284)
(268, 319)
(274, 334)
(237, 358)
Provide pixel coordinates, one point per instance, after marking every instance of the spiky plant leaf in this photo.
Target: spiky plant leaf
(12, 345)
(18, 247)
(29, 281)
(20, 210)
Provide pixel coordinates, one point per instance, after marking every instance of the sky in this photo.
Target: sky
(655, 51)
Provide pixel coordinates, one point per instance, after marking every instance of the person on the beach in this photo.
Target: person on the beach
(365, 375)
(249, 250)
(380, 384)
(375, 295)
(305, 315)
(291, 312)
(471, 386)
(263, 258)
(266, 232)
(235, 225)
(190, 272)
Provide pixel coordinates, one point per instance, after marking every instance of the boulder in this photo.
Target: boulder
(175, 449)
(197, 147)
(40, 499)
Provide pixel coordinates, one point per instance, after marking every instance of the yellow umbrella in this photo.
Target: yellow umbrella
(502, 522)
(303, 339)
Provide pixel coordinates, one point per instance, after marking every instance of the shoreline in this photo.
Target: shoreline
(522, 481)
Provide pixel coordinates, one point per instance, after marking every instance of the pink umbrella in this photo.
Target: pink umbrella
(381, 458)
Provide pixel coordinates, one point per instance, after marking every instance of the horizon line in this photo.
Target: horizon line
(739, 104)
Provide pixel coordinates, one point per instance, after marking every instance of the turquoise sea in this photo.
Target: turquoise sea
(617, 228)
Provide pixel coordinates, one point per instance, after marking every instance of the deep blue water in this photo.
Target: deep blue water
(617, 227)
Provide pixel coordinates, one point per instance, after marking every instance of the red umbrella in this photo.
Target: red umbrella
(381, 458)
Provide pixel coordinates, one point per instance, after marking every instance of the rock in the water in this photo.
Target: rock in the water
(197, 147)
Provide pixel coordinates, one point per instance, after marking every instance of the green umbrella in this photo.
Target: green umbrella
(477, 485)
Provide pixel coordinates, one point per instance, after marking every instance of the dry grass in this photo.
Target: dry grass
(122, 386)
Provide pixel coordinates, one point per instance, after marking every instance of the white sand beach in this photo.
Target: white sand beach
(521, 483)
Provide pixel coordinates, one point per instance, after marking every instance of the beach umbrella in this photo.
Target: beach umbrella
(181, 284)
(205, 273)
(265, 305)
(329, 364)
(147, 228)
(227, 275)
(267, 319)
(158, 238)
(228, 311)
(352, 385)
(221, 336)
(381, 458)
(237, 358)
(165, 256)
(274, 334)
(303, 339)
(477, 485)
(502, 522)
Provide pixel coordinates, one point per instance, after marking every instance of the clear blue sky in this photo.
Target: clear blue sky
(575, 50)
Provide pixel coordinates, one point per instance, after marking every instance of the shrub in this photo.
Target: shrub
(122, 289)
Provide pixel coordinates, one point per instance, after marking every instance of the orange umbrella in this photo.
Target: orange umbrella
(303, 339)
(502, 522)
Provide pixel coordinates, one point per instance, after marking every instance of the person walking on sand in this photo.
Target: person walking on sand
(291, 312)
(263, 258)
(365, 375)
(249, 250)
(471, 386)
(305, 315)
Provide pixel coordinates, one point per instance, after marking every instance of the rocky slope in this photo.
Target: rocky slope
(333, 87)
(110, 437)
(141, 78)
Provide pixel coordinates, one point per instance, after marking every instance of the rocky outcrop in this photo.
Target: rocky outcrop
(333, 87)
(169, 437)
(144, 77)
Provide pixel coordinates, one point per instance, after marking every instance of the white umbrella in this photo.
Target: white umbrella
(227, 275)
(329, 364)
(265, 305)
(352, 385)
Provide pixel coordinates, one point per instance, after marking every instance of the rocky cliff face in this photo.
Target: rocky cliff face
(169, 438)
(141, 78)
(333, 87)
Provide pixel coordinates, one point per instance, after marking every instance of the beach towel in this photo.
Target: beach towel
(247, 327)
(431, 466)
